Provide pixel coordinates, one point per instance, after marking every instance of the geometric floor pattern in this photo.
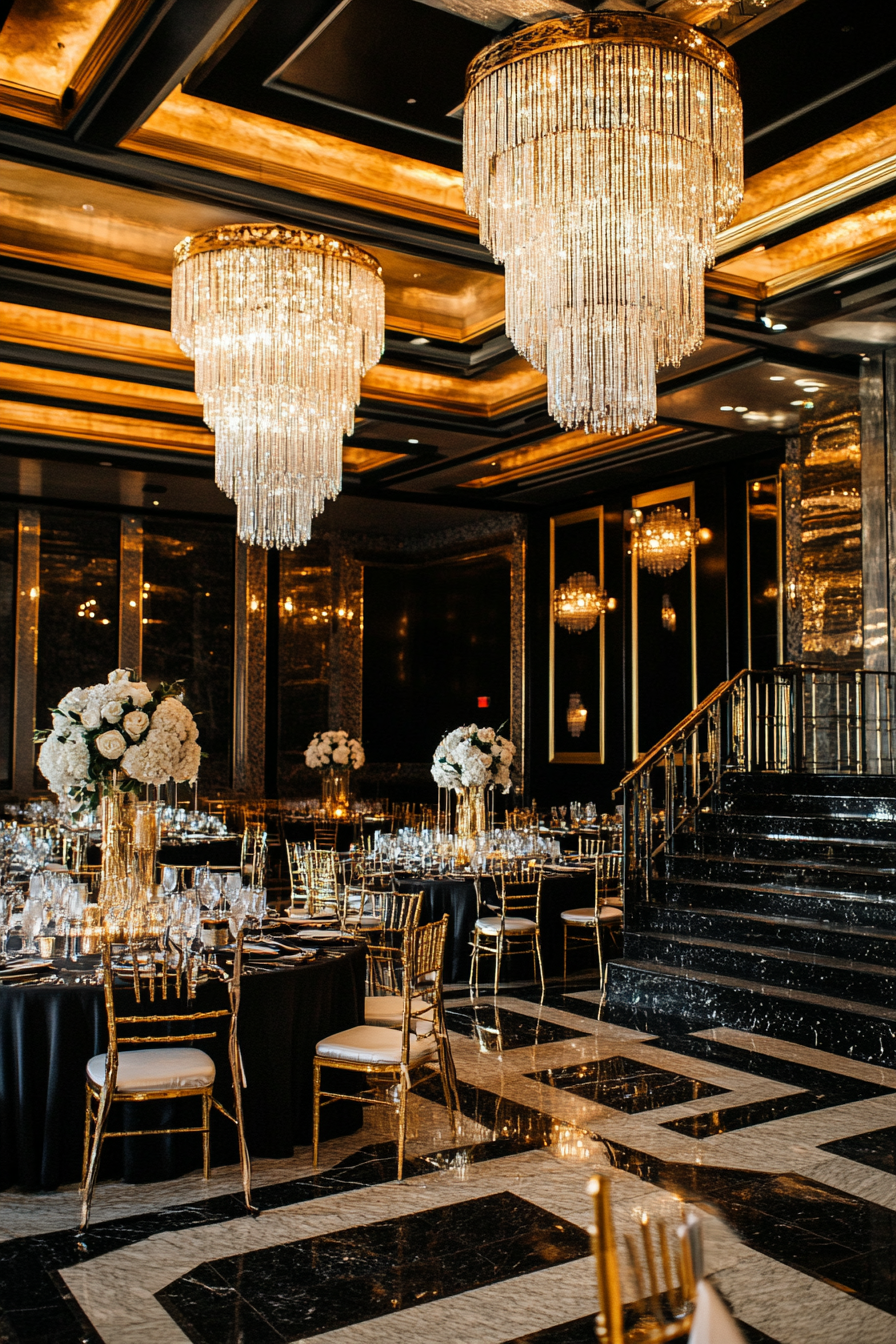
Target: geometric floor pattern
(786, 1151)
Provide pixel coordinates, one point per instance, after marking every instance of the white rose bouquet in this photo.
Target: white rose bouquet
(118, 727)
(334, 747)
(471, 757)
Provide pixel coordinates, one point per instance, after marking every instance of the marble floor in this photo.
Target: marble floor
(786, 1151)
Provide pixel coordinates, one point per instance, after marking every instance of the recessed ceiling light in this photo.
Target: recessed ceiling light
(105, 464)
(88, 209)
(740, 408)
(779, 326)
(419, 340)
(413, 440)
(796, 403)
(776, 378)
(412, 100)
(726, 408)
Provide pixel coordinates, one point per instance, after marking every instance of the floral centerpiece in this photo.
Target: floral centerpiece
(106, 742)
(117, 735)
(470, 760)
(335, 754)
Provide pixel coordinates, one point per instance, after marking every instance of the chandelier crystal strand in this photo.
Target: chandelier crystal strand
(282, 325)
(601, 155)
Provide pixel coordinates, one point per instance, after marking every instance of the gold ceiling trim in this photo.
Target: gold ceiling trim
(100, 337)
(241, 144)
(283, 236)
(512, 386)
(594, 30)
(45, 107)
(29, 380)
(357, 458)
(563, 450)
(115, 430)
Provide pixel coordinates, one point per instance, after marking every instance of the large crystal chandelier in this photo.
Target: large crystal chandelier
(664, 539)
(579, 603)
(282, 325)
(602, 152)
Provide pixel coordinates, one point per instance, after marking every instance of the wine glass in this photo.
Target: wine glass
(32, 918)
(169, 879)
(7, 900)
(239, 905)
(232, 885)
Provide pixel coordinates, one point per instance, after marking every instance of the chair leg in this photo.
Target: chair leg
(540, 967)
(87, 1119)
(206, 1136)
(600, 951)
(99, 1133)
(316, 1122)
(402, 1124)
(565, 932)
(236, 1075)
(498, 949)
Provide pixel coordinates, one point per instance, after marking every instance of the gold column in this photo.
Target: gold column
(130, 595)
(250, 638)
(27, 605)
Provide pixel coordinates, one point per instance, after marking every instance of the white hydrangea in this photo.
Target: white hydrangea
(472, 757)
(64, 761)
(334, 747)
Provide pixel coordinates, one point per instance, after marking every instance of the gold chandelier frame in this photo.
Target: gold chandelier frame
(226, 236)
(589, 30)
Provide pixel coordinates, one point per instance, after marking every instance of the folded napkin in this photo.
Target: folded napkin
(713, 1322)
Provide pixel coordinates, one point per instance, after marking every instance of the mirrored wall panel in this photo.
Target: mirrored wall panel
(576, 646)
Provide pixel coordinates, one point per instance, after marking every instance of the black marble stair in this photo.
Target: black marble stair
(782, 893)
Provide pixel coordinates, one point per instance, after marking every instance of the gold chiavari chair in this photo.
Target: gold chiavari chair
(675, 1261)
(169, 1069)
(396, 1059)
(515, 928)
(298, 873)
(589, 923)
(591, 846)
(254, 854)
(399, 915)
(322, 882)
(325, 833)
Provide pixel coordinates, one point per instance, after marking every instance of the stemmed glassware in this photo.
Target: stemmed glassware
(7, 902)
(32, 918)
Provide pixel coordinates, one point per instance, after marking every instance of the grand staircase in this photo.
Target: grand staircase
(770, 904)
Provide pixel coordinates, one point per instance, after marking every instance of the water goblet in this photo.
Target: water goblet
(169, 879)
(32, 918)
(232, 885)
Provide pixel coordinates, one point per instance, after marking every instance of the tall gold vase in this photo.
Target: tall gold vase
(129, 839)
(470, 811)
(336, 790)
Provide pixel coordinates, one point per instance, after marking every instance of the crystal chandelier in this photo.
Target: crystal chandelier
(576, 715)
(282, 325)
(664, 539)
(579, 603)
(602, 152)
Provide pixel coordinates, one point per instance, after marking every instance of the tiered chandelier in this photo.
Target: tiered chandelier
(602, 152)
(579, 603)
(664, 539)
(282, 325)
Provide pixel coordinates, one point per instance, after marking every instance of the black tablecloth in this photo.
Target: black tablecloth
(223, 853)
(456, 896)
(48, 1033)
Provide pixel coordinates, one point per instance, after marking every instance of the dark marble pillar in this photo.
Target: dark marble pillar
(878, 397)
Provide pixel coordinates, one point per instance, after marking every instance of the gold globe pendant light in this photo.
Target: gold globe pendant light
(579, 603)
(282, 325)
(602, 152)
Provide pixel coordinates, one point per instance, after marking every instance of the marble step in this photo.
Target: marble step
(857, 942)
(846, 786)
(787, 824)
(796, 803)
(756, 844)
(839, 909)
(816, 973)
(857, 1030)
(867, 868)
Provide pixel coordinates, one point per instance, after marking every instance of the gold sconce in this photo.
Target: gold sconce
(576, 715)
(667, 615)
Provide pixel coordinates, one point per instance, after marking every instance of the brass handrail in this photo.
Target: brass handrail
(647, 762)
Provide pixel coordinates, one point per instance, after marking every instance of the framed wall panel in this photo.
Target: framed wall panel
(576, 659)
(664, 661)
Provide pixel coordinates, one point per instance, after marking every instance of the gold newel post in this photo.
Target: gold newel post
(336, 791)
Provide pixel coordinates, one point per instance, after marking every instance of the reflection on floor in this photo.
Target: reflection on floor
(788, 1151)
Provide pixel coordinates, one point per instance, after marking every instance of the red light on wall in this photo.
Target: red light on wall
(483, 701)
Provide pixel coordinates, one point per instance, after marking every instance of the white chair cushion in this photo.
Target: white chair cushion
(608, 915)
(384, 1010)
(355, 921)
(156, 1070)
(513, 924)
(373, 1045)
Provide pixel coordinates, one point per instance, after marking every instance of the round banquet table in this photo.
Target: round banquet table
(456, 897)
(218, 852)
(48, 1033)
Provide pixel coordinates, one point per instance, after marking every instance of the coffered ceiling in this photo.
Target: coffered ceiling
(125, 124)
